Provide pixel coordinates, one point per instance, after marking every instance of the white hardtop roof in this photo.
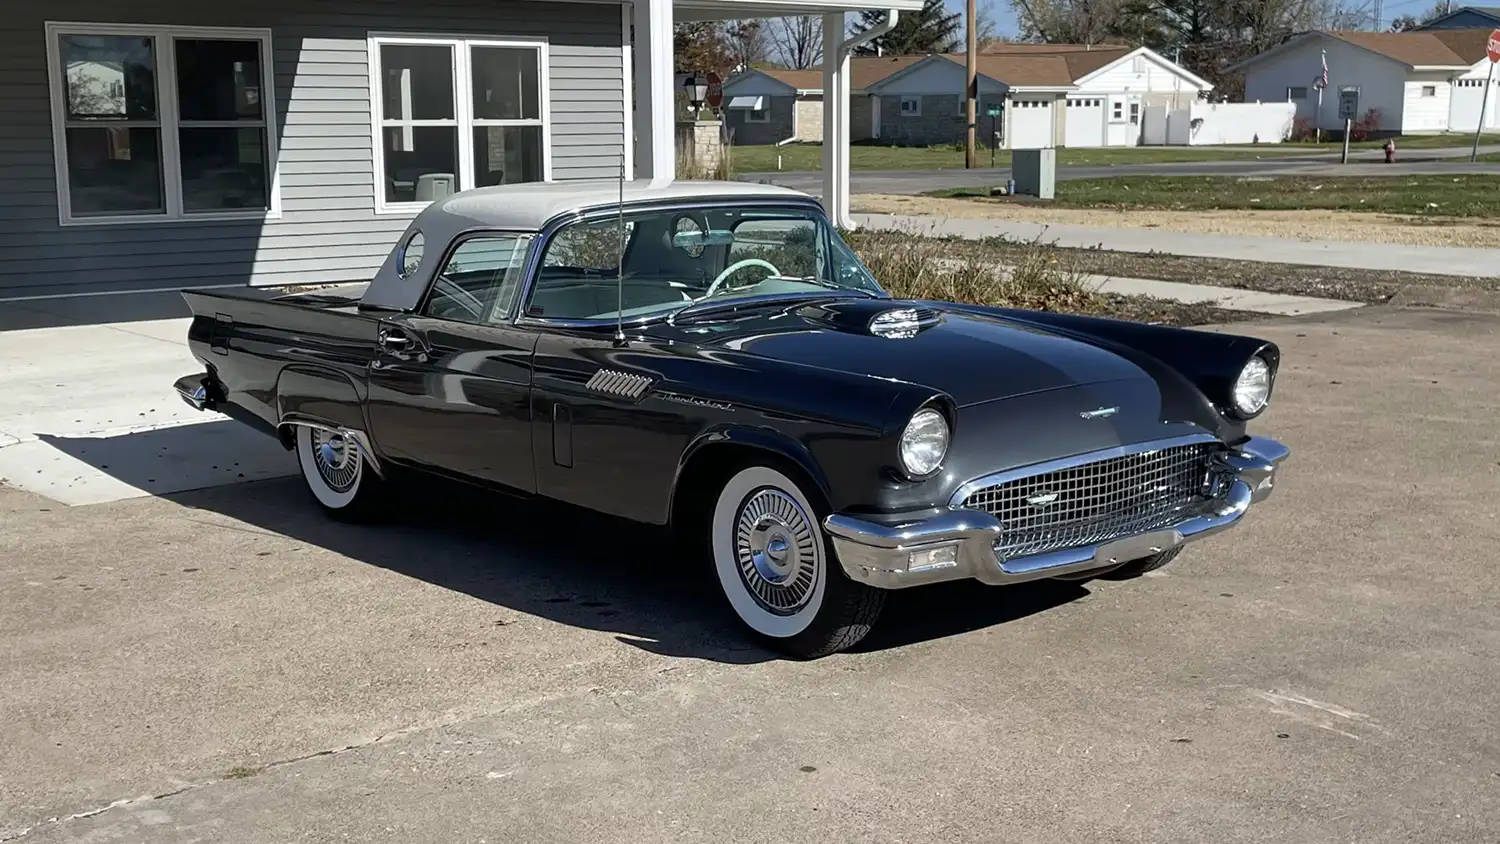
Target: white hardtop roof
(529, 206)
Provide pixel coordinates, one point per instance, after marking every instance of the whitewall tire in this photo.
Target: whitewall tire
(777, 570)
(337, 472)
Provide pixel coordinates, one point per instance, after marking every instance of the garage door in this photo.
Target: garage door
(1030, 124)
(1085, 123)
(1463, 112)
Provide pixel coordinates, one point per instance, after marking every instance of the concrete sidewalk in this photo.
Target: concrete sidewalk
(1232, 298)
(1438, 260)
(75, 393)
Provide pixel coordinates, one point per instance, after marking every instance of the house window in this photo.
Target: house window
(1429, 90)
(454, 114)
(162, 123)
(911, 106)
(758, 115)
(1299, 93)
(1135, 113)
(1117, 111)
(1138, 64)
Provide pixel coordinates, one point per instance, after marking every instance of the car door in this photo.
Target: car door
(450, 385)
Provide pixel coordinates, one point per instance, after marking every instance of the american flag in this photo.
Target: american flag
(1325, 68)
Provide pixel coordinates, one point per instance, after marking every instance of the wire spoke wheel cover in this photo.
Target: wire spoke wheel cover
(337, 458)
(776, 551)
(769, 552)
(332, 464)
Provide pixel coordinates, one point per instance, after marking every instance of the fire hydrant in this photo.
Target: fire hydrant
(1390, 151)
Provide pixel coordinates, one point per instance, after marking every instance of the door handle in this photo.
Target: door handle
(399, 344)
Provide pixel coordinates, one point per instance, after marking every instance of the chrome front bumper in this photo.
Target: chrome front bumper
(960, 544)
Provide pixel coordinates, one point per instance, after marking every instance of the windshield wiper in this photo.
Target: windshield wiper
(716, 305)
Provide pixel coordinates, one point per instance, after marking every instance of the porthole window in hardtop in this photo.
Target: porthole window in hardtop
(411, 255)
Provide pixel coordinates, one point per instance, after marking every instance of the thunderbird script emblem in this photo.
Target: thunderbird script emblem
(1100, 413)
(1042, 498)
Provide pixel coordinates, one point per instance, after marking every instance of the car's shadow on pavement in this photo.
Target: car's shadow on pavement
(564, 564)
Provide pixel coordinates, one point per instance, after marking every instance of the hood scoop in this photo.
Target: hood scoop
(903, 323)
(876, 317)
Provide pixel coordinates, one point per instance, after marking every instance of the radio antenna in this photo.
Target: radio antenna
(620, 263)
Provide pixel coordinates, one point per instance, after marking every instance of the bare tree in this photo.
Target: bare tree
(798, 42)
(747, 42)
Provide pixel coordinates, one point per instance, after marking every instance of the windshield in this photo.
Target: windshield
(678, 258)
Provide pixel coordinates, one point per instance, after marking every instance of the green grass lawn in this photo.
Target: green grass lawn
(804, 157)
(1444, 196)
(1447, 140)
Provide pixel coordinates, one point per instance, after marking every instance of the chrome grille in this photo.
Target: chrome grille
(1098, 501)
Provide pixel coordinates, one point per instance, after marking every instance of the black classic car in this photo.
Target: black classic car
(713, 357)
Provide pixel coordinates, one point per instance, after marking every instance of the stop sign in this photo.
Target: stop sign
(1493, 47)
(716, 85)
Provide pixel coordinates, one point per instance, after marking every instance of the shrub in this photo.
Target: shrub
(994, 272)
(1302, 131)
(1364, 127)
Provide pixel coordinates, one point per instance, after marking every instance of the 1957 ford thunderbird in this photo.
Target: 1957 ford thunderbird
(712, 356)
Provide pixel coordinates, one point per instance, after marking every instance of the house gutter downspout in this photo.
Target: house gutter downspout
(836, 113)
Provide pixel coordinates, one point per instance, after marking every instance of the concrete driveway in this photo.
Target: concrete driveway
(228, 666)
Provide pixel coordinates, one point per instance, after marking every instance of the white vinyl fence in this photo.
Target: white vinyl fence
(1208, 124)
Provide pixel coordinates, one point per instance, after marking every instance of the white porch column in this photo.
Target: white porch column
(655, 130)
(835, 121)
(836, 52)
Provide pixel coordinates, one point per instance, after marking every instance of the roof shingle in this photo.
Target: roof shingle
(863, 72)
(1410, 48)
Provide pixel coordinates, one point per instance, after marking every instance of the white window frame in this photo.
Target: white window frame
(1291, 93)
(167, 122)
(914, 112)
(463, 113)
(1428, 91)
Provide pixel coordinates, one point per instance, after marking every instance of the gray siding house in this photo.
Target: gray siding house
(155, 144)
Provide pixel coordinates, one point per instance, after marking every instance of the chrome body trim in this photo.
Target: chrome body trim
(360, 437)
(878, 555)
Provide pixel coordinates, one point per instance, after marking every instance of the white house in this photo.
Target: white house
(1418, 82)
(1048, 94)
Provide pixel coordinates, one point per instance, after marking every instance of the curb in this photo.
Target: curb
(1446, 298)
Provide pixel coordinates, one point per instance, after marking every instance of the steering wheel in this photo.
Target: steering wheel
(736, 267)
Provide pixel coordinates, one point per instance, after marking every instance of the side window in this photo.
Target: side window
(479, 283)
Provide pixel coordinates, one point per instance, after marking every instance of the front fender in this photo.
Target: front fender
(1209, 361)
(767, 440)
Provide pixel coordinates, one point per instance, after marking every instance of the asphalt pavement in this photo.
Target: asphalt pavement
(1366, 163)
(228, 665)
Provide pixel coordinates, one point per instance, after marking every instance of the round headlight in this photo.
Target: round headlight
(924, 443)
(1252, 390)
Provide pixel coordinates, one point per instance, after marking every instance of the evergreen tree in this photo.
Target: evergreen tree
(932, 30)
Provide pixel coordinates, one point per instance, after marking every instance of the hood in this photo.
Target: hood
(972, 357)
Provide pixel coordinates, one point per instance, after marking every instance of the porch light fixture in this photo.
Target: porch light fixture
(695, 85)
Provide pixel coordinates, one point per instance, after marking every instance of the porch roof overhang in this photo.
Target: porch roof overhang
(713, 10)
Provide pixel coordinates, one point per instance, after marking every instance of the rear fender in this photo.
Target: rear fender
(321, 397)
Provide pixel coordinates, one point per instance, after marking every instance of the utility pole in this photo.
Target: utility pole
(971, 91)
